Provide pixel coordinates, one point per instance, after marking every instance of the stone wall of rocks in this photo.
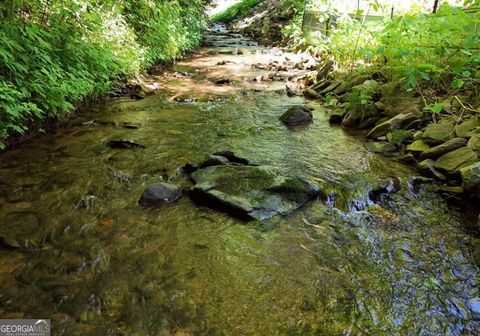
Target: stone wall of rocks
(445, 147)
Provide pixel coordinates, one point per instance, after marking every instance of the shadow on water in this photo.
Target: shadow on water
(77, 248)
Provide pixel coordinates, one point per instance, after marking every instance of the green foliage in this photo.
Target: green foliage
(439, 51)
(293, 31)
(237, 11)
(166, 29)
(398, 137)
(434, 108)
(362, 95)
(55, 53)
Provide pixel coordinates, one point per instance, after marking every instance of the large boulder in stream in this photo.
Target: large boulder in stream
(297, 115)
(250, 192)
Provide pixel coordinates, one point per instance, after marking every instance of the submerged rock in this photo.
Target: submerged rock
(387, 185)
(222, 80)
(240, 51)
(214, 160)
(297, 115)
(453, 161)
(124, 144)
(189, 168)
(380, 147)
(86, 202)
(184, 98)
(21, 229)
(444, 148)
(250, 192)
(230, 156)
(160, 193)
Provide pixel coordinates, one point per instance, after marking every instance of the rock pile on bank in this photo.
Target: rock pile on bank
(445, 146)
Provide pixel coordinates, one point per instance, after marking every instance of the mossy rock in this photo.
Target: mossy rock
(436, 134)
(466, 128)
(399, 137)
(453, 161)
(250, 192)
(380, 147)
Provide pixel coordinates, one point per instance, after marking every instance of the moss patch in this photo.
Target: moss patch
(237, 180)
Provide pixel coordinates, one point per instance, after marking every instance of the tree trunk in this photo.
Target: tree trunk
(435, 6)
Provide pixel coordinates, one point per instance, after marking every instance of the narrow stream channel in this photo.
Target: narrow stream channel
(80, 250)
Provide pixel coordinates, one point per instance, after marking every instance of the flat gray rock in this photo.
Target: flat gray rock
(444, 148)
(464, 130)
(250, 192)
(427, 168)
(417, 146)
(474, 143)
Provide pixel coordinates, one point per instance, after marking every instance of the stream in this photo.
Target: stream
(78, 248)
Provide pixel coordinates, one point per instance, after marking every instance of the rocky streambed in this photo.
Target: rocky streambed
(191, 206)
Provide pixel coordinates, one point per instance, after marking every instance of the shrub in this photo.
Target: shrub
(237, 11)
(56, 53)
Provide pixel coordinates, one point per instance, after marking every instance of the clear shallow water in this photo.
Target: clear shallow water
(399, 268)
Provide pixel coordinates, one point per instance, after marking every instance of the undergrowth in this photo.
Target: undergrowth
(429, 54)
(236, 12)
(55, 53)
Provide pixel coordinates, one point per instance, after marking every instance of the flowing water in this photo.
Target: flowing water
(86, 255)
